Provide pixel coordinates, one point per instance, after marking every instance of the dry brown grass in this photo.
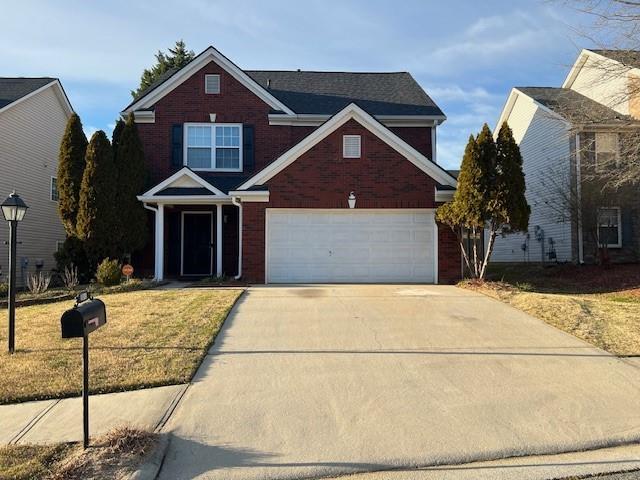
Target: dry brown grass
(115, 455)
(610, 321)
(152, 338)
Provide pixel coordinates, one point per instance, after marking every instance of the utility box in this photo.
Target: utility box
(84, 318)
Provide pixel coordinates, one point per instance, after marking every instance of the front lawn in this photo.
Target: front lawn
(598, 305)
(152, 338)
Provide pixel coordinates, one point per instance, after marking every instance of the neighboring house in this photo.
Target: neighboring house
(33, 116)
(254, 174)
(562, 132)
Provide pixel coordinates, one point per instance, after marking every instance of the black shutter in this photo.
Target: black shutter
(176, 145)
(248, 150)
(627, 227)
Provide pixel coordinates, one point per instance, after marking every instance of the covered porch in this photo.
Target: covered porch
(197, 227)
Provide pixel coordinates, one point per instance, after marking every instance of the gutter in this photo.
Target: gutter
(238, 204)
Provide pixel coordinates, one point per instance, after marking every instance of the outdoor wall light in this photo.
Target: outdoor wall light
(352, 200)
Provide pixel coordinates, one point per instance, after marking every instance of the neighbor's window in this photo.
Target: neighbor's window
(351, 146)
(606, 150)
(54, 189)
(609, 230)
(212, 84)
(213, 147)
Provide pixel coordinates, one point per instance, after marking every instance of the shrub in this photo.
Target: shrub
(70, 277)
(4, 289)
(38, 282)
(73, 254)
(108, 273)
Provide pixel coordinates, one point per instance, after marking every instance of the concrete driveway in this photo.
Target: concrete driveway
(309, 381)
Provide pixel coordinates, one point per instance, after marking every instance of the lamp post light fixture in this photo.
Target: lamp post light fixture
(13, 210)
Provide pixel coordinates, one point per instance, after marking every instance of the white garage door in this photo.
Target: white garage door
(350, 246)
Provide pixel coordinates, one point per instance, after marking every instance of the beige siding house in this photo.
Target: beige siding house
(33, 115)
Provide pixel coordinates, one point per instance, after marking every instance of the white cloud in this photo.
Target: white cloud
(457, 93)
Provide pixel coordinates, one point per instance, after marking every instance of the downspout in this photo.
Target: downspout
(238, 204)
(579, 200)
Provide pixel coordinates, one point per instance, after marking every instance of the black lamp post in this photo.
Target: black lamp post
(13, 209)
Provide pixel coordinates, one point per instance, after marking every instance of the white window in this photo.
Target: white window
(59, 245)
(609, 228)
(54, 196)
(351, 146)
(212, 84)
(606, 150)
(213, 146)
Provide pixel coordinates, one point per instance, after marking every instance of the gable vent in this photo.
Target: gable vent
(351, 146)
(212, 84)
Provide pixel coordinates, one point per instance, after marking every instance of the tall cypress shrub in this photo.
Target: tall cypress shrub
(97, 219)
(131, 173)
(71, 164)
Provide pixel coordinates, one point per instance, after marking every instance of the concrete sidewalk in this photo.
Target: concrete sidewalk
(51, 421)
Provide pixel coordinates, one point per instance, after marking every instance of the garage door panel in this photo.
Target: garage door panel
(350, 246)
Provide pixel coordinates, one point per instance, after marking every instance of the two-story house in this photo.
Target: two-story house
(293, 176)
(33, 116)
(570, 137)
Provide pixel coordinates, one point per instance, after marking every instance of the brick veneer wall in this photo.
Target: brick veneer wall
(321, 178)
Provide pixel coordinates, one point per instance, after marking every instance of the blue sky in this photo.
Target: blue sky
(466, 54)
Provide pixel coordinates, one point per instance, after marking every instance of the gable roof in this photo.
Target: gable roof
(326, 93)
(351, 111)
(12, 89)
(629, 58)
(174, 78)
(573, 106)
(308, 92)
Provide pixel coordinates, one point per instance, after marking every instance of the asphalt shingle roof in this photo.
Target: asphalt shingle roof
(327, 93)
(630, 58)
(12, 89)
(574, 106)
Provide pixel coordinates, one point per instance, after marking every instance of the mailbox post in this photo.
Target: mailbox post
(87, 315)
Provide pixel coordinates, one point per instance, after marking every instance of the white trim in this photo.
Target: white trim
(219, 240)
(213, 147)
(619, 227)
(345, 139)
(158, 265)
(194, 212)
(208, 55)
(185, 200)
(62, 97)
(352, 111)
(250, 195)
(314, 120)
(433, 144)
(184, 171)
(51, 189)
(206, 78)
(577, 66)
(579, 194)
(143, 116)
(444, 195)
(269, 211)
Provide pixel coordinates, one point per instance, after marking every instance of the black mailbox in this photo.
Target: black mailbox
(84, 318)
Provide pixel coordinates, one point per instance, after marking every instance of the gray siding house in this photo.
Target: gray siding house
(33, 116)
(568, 137)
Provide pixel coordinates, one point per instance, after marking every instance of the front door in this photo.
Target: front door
(197, 243)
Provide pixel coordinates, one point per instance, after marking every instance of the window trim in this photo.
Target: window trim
(51, 189)
(185, 146)
(219, 83)
(619, 226)
(595, 148)
(344, 145)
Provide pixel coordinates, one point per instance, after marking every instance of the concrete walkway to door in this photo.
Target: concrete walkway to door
(311, 381)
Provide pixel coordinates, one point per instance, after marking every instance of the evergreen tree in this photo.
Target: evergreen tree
(97, 219)
(115, 139)
(490, 195)
(71, 163)
(511, 209)
(177, 58)
(132, 220)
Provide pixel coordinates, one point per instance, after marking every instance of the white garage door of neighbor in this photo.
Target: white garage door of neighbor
(350, 246)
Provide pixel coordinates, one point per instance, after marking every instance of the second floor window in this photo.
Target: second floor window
(216, 147)
(606, 151)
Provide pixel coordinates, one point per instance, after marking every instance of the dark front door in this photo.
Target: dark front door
(197, 243)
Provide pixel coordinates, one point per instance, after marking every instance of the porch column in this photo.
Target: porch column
(219, 240)
(159, 260)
